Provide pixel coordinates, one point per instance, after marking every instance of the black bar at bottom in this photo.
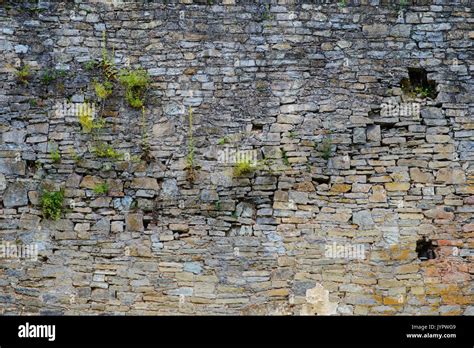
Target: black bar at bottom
(241, 331)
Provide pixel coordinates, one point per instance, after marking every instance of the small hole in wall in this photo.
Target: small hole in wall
(425, 249)
(257, 127)
(146, 222)
(31, 166)
(321, 179)
(417, 84)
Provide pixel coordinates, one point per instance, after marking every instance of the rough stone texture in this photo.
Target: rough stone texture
(278, 81)
(318, 302)
(15, 195)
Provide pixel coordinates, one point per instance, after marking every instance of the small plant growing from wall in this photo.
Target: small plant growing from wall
(266, 165)
(325, 147)
(342, 3)
(46, 77)
(244, 168)
(190, 156)
(403, 4)
(145, 145)
(101, 188)
(418, 85)
(425, 91)
(222, 141)
(103, 150)
(54, 153)
(266, 14)
(75, 156)
(90, 65)
(86, 118)
(52, 204)
(261, 86)
(292, 134)
(135, 83)
(50, 75)
(107, 63)
(103, 90)
(284, 157)
(38, 165)
(23, 75)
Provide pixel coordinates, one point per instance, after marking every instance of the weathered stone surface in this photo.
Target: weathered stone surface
(340, 162)
(73, 180)
(317, 302)
(100, 202)
(102, 225)
(209, 196)
(451, 176)
(400, 30)
(375, 30)
(397, 186)
(145, 183)
(193, 267)
(438, 138)
(62, 225)
(378, 194)
(134, 222)
(306, 186)
(468, 228)
(116, 226)
(179, 227)
(90, 181)
(439, 213)
(304, 87)
(12, 166)
(82, 227)
(169, 188)
(363, 219)
(163, 129)
(341, 188)
(245, 210)
(418, 176)
(373, 133)
(173, 109)
(359, 136)
(3, 182)
(15, 195)
(336, 217)
(15, 136)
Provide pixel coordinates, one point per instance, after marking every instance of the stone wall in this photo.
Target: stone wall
(328, 220)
